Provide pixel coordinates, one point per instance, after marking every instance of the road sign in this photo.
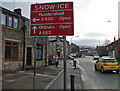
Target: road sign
(50, 19)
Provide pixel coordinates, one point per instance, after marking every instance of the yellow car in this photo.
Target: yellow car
(107, 64)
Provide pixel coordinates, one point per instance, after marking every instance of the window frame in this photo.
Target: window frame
(17, 22)
(8, 20)
(12, 46)
(37, 50)
(5, 20)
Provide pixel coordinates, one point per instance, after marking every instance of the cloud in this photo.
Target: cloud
(95, 34)
(88, 42)
(90, 18)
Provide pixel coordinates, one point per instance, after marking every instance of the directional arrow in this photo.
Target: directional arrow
(34, 28)
(34, 19)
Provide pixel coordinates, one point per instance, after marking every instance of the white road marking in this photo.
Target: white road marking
(93, 60)
(41, 75)
(54, 80)
(82, 69)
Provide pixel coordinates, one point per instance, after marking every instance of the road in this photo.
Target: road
(92, 79)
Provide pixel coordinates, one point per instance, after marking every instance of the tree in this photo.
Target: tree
(106, 42)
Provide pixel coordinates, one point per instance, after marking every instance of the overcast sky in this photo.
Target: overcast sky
(90, 19)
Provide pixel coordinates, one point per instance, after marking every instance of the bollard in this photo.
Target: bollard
(72, 82)
(74, 63)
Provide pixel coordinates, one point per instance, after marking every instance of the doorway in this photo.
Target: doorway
(29, 56)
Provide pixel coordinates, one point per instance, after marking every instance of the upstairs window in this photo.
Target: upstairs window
(10, 21)
(3, 19)
(15, 23)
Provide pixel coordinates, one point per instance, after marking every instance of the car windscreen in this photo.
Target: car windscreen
(96, 55)
(109, 60)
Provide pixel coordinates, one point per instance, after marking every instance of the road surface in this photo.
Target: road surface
(92, 79)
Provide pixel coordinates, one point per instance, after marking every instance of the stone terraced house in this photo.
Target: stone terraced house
(56, 46)
(16, 46)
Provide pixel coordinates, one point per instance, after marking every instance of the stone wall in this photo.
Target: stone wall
(0, 51)
(16, 35)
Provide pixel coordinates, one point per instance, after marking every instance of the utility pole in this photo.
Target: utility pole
(35, 77)
(64, 37)
(23, 28)
(46, 52)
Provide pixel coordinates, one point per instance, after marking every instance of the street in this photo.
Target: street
(92, 79)
(85, 77)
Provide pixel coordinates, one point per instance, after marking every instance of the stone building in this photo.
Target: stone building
(74, 49)
(56, 46)
(17, 46)
(102, 50)
(114, 49)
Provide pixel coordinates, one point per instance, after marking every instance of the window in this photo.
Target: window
(39, 50)
(10, 21)
(15, 23)
(3, 19)
(52, 43)
(11, 51)
(109, 60)
(58, 44)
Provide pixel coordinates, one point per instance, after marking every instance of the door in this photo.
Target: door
(98, 64)
(29, 56)
(58, 54)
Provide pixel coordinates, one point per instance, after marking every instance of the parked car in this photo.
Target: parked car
(59, 57)
(107, 64)
(73, 54)
(70, 57)
(96, 57)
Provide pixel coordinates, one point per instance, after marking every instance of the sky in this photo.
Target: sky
(94, 20)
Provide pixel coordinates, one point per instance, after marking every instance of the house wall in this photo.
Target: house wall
(57, 45)
(0, 40)
(111, 48)
(11, 34)
(17, 35)
(0, 50)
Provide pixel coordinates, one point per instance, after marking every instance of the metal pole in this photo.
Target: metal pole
(24, 28)
(46, 51)
(35, 77)
(64, 37)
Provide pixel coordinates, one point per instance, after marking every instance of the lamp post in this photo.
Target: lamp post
(73, 37)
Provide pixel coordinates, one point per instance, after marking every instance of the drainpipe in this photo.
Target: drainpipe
(23, 28)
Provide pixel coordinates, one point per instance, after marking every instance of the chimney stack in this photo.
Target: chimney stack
(18, 11)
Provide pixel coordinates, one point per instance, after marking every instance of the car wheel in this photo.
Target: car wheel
(95, 68)
(117, 71)
(102, 70)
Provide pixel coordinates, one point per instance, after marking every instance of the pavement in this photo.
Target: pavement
(59, 81)
(48, 78)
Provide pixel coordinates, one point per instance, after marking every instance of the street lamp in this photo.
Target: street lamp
(73, 37)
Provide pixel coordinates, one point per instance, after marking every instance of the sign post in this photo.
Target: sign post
(52, 19)
(34, 77)
(64, 37)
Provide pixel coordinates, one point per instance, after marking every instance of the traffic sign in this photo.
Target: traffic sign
(50, 19)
